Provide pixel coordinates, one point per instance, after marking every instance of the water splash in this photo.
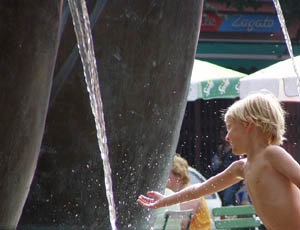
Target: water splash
(287, 40)
(86, 49)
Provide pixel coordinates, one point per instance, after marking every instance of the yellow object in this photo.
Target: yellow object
(201, 219)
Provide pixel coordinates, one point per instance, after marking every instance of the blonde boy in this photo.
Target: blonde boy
(255, 127)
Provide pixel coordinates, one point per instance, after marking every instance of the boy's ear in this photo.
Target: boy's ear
(250, 124)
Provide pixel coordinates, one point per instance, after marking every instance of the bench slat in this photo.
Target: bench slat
(234, 210)
(237, 223)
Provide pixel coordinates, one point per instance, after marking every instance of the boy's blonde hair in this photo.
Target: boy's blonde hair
(265, 111)
(180, 168)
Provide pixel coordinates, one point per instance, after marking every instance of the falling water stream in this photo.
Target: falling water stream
(85, 44)
(287, 40)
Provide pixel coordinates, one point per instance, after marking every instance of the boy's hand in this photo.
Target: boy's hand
(152, 201)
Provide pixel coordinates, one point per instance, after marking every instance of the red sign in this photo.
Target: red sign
(211, 22)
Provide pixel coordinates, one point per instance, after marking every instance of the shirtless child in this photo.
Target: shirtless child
(255, 127)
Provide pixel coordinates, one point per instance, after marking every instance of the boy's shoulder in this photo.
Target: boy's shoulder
(240, 162)
(238, 167)
(272, 151)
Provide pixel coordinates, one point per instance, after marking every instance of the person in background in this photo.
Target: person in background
(178, 180)
(216, 160)
(220, 161)
(228, 194)
(242, 197)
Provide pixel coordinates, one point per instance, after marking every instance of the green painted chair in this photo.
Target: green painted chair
(236, 217)
(178, 215)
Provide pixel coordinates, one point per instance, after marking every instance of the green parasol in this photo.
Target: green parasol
(210, 81)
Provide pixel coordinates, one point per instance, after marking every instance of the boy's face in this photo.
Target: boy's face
(236, 136)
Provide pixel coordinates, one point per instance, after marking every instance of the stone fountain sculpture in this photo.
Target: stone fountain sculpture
(145, 51)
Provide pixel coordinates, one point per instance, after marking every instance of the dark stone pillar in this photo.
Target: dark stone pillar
(29, 32)
(145, 51)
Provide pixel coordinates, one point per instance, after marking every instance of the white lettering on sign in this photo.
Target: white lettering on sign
(251, 24)
(223, 86)
(208, 87)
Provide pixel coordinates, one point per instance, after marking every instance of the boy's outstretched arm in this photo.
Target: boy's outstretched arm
(284, 163)
(232, 175)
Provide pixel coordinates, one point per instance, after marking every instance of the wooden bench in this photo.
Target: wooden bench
(233, 217)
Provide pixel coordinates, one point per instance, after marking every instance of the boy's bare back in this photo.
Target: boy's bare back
(272, 177)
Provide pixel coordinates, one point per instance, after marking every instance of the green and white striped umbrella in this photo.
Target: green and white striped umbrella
(210, 81)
